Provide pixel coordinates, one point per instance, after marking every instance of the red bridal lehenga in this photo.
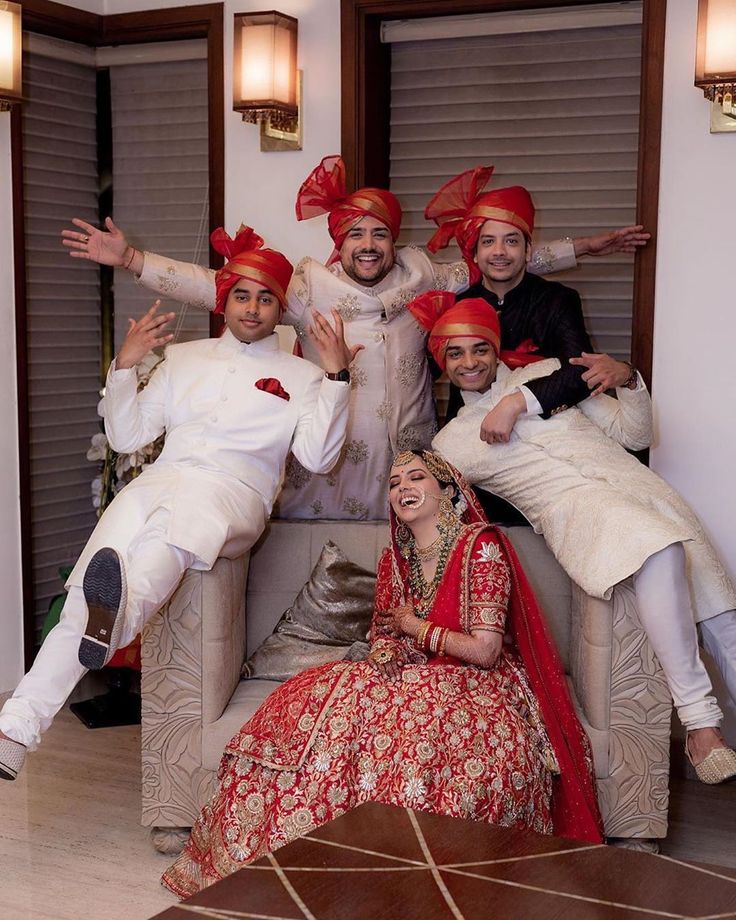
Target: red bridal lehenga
(502, 746)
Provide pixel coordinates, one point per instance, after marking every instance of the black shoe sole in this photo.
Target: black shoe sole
(103, 590)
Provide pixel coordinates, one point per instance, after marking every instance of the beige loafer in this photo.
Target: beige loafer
(12, 758)
(718, 767)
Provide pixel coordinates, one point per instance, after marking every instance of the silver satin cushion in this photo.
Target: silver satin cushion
(328, 621)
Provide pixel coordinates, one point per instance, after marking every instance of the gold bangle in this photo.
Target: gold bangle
(443, 642)
(421, 635)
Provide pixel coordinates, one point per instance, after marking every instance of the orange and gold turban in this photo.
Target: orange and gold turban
(247, 259)
(460, 208)
(445, 319)
(324, 191)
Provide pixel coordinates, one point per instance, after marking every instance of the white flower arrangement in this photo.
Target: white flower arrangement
(117, 470)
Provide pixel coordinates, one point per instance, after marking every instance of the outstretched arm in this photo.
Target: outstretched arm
(625, 239)
(561, 255)
(182, 281)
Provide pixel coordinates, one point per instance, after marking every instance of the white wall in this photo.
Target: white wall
(694, 375)
(260, 188)
(11, 608)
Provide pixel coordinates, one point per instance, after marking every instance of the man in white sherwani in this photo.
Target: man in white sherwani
(604, 515)
(369, 282)
(232, 408)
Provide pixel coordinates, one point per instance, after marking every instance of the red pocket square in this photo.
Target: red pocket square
(272, 385)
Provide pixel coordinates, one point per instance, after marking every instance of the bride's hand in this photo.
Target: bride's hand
(386, 663)
(399, 620)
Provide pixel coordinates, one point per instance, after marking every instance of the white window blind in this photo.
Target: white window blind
(63, 304)
(555, 111)
(160, 177)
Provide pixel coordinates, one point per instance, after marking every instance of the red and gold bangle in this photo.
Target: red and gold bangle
(443, 642)
(422, 635)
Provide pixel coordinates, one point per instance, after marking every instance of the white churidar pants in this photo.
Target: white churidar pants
(718, 635)
(665, 612)
(153, 570)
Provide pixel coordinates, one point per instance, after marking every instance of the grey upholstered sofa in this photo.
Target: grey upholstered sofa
(194, 699)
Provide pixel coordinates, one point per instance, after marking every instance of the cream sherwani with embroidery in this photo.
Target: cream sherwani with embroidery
(601, 511)
(391, 405)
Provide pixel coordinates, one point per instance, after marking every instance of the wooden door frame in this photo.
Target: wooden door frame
(59, 21)
(366, 87)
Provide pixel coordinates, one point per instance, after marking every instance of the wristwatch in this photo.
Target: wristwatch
(632, 381)
(342, 376)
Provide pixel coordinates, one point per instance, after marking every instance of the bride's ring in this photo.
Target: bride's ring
(84, 238)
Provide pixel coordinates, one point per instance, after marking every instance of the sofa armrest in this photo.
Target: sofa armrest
(223, 634)
(179, 672)
(591, 650)
(641, 715)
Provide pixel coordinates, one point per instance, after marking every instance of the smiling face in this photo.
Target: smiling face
(251, 311)
(471, 363)
(502, 253)
(367, 253)
(414, 493)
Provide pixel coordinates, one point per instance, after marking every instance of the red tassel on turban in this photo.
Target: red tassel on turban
(446, 319)
(460, 208)
(247, 259)
(324, 192)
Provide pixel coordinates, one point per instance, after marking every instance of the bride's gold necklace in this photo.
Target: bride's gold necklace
(424, 591)
(425, 553)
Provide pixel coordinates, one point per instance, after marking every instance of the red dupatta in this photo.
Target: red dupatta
(575, 811)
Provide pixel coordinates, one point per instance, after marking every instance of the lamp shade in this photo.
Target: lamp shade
(10, 53)
(715, 58)
(264, 64)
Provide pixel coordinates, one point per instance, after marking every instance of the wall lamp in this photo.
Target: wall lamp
(715, 60)
(10, 55)
(266, 83)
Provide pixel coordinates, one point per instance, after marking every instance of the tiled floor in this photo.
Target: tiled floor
(382, 862)
(72, 848)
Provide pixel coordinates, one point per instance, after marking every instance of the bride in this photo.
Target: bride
(444, 716)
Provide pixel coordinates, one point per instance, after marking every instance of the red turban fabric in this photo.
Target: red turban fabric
(324, 192)
(460, 208)
(446, 319)
(247, 259)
